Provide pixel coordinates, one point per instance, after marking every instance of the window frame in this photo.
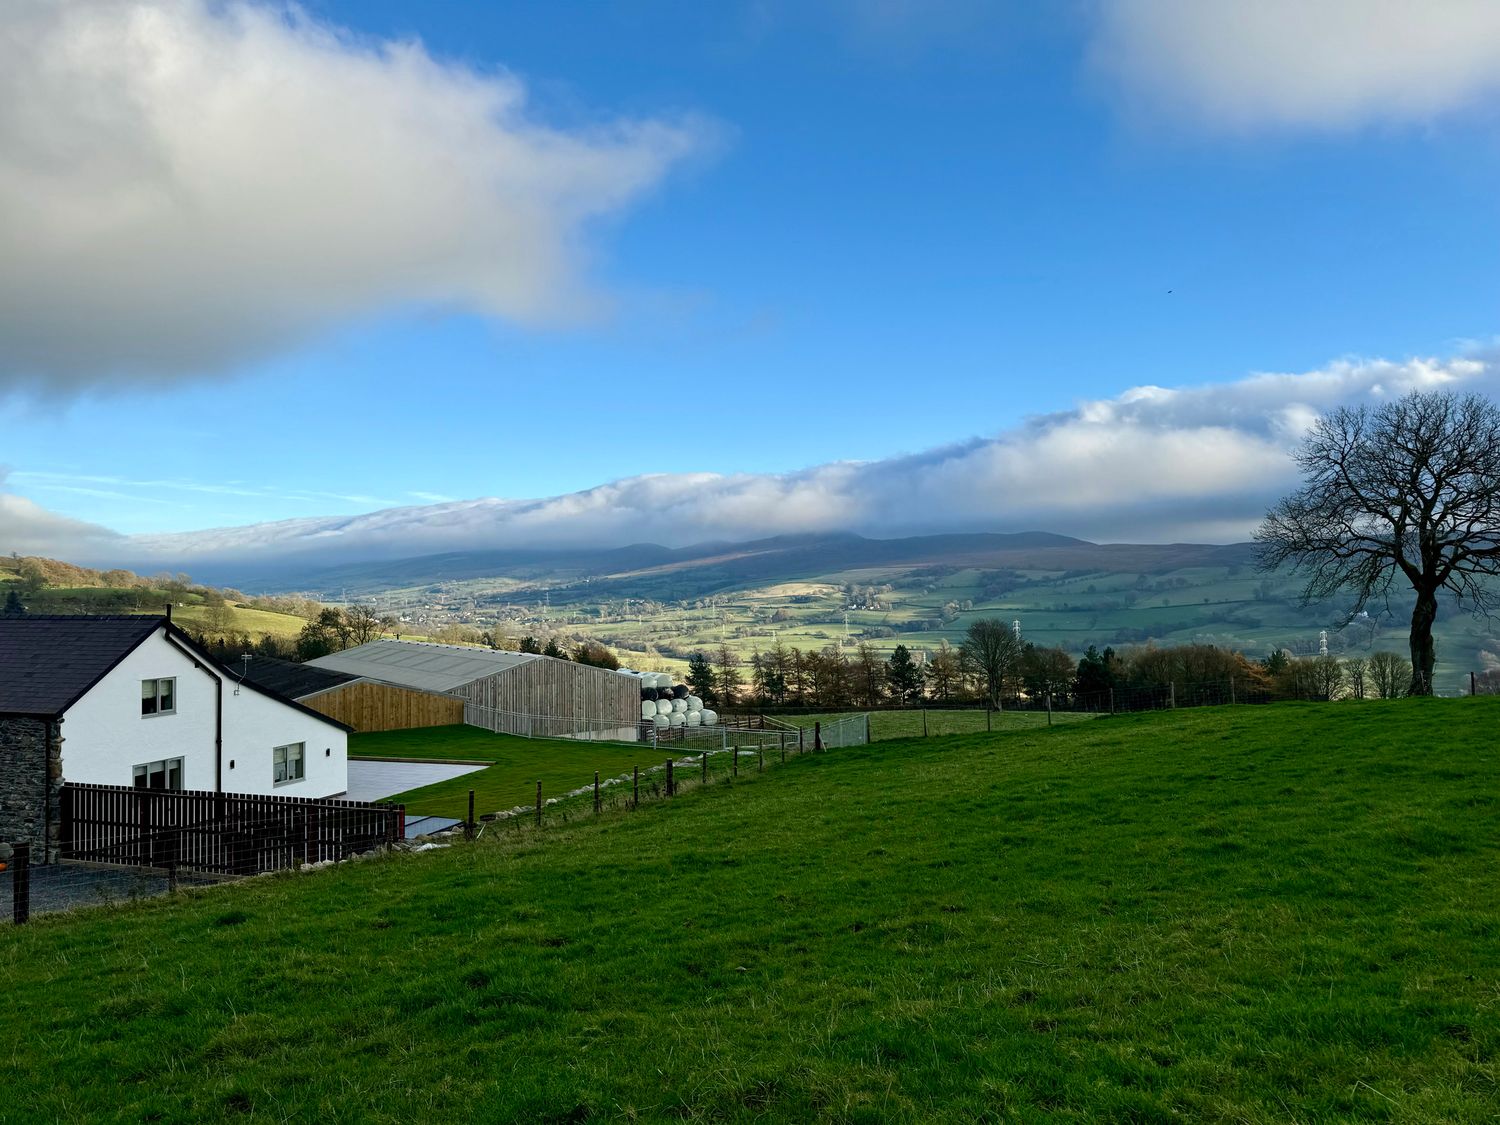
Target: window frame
(157, 710)
(168, 766)
(288, 759)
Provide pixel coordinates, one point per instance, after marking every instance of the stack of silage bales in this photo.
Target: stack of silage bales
(667, 705)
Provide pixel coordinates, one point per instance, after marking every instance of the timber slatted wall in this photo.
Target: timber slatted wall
(549, 698)
(226, 833)
(367, 706)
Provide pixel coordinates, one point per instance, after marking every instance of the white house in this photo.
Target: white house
(139, 703)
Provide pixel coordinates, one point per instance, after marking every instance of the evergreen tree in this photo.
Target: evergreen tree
(551, 649)
(1096, 674)
(904, 676)
(13, 605)
(702, 679)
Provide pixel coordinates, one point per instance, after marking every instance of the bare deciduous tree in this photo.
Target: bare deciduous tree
(995, 652)
(1408, 491)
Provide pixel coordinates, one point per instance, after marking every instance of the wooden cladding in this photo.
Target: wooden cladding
(548, 698)
(368, 706)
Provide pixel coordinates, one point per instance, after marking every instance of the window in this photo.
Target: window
(288, 763)
(158, 697)
(166, 774)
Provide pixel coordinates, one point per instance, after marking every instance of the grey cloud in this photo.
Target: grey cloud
(1299, 63)
(186, 185)
(29, 529)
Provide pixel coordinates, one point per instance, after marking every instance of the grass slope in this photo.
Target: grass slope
(561, 765)
(1257, 914)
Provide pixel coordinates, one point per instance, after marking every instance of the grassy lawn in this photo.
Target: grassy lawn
(1280, 913)
(908, 724)
(560, 765)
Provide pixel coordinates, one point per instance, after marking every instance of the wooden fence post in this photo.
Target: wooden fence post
(670, 787)
(817, 737)
(538, 804)
(762, 768)
(1473, 685)
(1049, 708)
(924, 722)
(635, 789)
(1172, 694)
(174, 853)
(469, 824)
(704, 759)
(1111, 701)
(1231, 690)
(20, 884)
(734, 762)
(596, 792)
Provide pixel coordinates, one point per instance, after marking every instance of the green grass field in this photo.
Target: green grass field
(561, 765)
(1268, 914)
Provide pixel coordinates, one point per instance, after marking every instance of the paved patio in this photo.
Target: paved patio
(371, 780)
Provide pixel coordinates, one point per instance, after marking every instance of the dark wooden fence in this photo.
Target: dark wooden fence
(222, 833)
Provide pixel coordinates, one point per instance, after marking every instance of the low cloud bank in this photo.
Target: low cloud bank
(1150, 465)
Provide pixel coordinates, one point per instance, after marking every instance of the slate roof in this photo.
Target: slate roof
(422, 664)
(47, 663)
(294, 681)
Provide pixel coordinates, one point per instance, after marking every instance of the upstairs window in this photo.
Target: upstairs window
(166, 774)
(158, 697)
(288, 763)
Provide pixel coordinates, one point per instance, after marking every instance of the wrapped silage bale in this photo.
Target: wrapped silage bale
(649, 693)
(663, 706)
(662, 722)
(692, 718)
(677, 719)
(679, 706)
(694, 703)
(648, 708)
(680, 691)
(709, 717)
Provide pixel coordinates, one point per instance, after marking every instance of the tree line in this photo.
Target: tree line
(994, 667)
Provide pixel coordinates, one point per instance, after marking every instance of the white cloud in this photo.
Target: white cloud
(28, 529)
(185, 185)
(1150, 465)
(1300, 63)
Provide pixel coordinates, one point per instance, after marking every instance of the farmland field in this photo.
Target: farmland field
(1251, 914)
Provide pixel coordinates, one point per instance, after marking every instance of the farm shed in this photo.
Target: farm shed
(511, 692)
(364, 704)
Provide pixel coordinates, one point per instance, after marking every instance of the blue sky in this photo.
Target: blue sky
(875, 230)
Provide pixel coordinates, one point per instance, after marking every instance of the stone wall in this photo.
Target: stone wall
(31, 785)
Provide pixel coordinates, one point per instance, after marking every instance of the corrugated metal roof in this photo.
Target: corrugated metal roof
(422, 664)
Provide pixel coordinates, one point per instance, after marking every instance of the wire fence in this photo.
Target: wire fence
(524, 724)
(706, 757)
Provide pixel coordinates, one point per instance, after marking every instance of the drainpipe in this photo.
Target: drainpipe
(218, 705)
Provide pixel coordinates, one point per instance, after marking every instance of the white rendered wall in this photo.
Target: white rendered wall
(106, 736)
(254, 724)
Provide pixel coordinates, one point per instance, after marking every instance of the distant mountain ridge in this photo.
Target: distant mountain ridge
(644, 569)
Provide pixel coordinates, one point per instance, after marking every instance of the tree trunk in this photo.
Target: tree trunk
(1423, 655)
